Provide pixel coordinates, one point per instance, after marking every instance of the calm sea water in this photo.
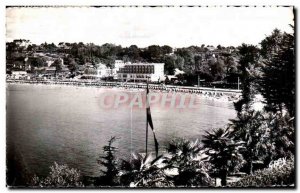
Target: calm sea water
(62, 124)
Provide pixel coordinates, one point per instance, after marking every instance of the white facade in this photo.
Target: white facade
(103, 71)
(140, 72)
(118, 64)
(18, 74)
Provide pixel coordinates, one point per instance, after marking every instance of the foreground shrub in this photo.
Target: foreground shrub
(59, 176)
(144, 171)
(279, 173)
(109, 162)
(223, 152)
(186, 164)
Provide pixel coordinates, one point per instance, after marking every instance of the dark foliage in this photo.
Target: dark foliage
(187, 159)
(108, 160)
(144, 171)
(224, 153)
(249, 55)
(280, 173)
(277, 84)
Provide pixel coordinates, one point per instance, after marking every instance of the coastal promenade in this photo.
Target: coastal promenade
(126, 85)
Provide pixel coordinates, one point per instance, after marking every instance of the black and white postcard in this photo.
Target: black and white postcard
(150, 97)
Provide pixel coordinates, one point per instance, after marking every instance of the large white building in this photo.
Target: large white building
(118, 64)
(140, 72)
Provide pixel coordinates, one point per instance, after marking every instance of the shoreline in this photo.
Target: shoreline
(224, 95)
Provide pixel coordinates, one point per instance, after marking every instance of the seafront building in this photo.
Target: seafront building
(126, 71)
(118, 64)
(103, 71)
(140, 72)
(121, 71)
(89, 72)
(99, 71)
(18, 74)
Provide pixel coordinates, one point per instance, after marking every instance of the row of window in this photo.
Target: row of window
(134, 76)
(143, 69)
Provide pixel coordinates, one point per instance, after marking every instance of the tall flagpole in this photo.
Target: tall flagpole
(147, 119)
(130, 130)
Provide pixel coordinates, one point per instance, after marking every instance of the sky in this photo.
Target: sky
(144, 26)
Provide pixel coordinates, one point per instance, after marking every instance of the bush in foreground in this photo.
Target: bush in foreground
(144, 171)
(187, 163)
(59, 176)
(110, 164)
(279, 173)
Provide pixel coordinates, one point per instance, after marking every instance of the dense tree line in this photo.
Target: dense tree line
(212, 65)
